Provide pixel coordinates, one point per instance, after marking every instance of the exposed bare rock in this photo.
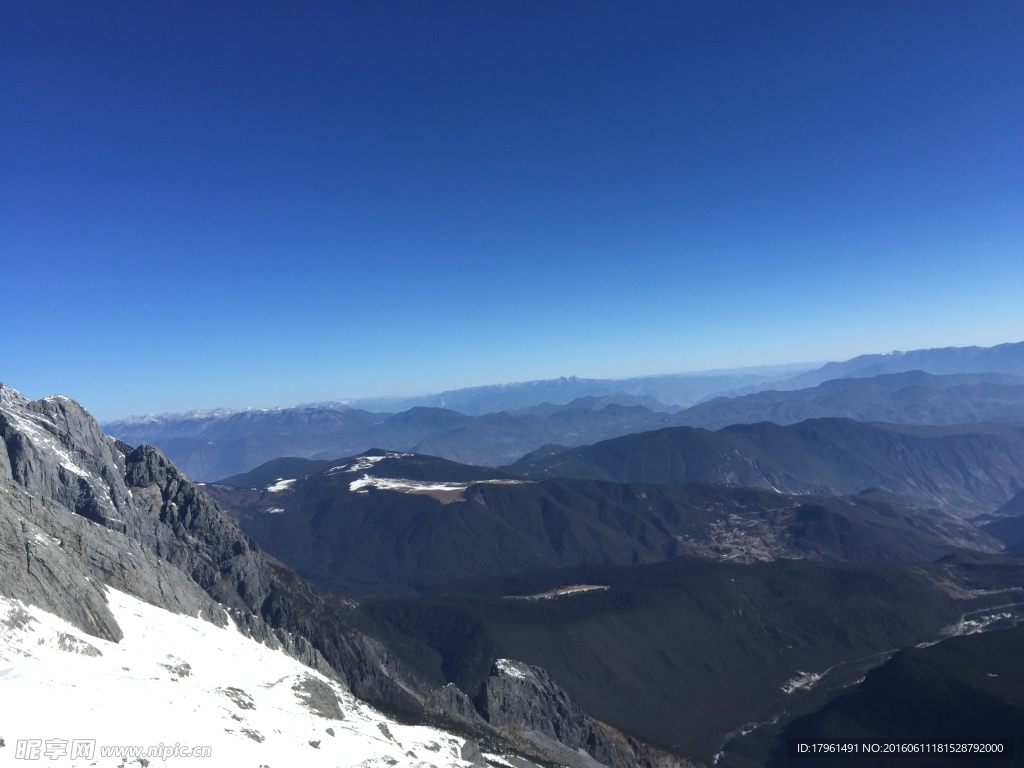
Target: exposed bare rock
(319, 698)
(76, 502)
(524, 703)
(452, 702)
(57, 560)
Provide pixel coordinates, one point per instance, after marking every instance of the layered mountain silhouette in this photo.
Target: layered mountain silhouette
(655, 392)
(965, 469)
(213, 447)
(914, 397)
(1002, 358)
(684, 390)
(945, 386)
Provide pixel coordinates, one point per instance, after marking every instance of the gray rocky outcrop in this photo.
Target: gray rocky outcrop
(318, 697)
(517, 694)
(79, 510)
(472, 754)
(453, 703)
(524, 704)
(59, 561)
(56, 450)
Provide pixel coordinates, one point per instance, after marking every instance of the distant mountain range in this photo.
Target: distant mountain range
(655, 392)
(1002, 358)
(683, 615)
(912, 397)
(686, 389)
(967, 470)
(210, 445)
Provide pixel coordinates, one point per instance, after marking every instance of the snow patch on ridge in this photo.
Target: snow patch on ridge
(551, 594)
(363, 463)
(512, 668)
(281, 485)
(446, 491)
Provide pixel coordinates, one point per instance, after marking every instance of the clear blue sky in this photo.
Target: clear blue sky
(254, 204)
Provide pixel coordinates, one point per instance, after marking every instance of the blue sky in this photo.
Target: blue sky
(245, 204)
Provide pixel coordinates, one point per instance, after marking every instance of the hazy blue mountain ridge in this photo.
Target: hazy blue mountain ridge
(222, 445)
(210, 445)
(1002, 358)
(964, 469)
(681, 389)
(911, 397)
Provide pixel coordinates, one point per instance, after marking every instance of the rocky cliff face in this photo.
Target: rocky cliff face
(523, 703)
(79, 503)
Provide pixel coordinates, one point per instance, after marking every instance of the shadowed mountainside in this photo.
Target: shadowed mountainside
(385, 522)
(966, 689)
(687, 652)
(966, 470)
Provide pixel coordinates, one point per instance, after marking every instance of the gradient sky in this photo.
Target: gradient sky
(255, 204)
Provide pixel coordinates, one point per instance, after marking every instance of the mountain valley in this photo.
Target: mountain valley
(615, 585)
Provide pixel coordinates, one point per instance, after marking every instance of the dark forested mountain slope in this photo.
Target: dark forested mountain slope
(688, 651)
(967, 689)
(966, 470)
(382, 522)
(1007, 523)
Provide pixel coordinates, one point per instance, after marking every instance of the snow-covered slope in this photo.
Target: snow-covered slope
(175, 681)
